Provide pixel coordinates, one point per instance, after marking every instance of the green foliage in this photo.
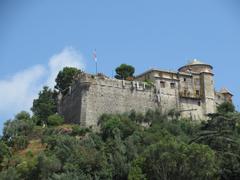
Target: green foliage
(4, 152)
(136, 172)
(20, 142)
(23, 115)
(149, 83)
(226, 107)
(79, 131)
(15, 131)
(79, 156)
(65, 78)
(45, 105)
(9, 174)
(109, 124)
(126, 146)
(220, 134)
(47, 165)
(55, 120)
(70, 175)
(124, 71)
(174, 160)
(26, 169)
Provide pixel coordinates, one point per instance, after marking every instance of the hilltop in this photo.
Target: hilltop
(130, 145)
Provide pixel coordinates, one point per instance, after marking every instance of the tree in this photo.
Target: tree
(46, 166)
(15, 131)
(170, 160)
(219, 133)
(65, 77)
(226, 107)
(79, 157)
(110, 123)
(124, 71)
(45, 105)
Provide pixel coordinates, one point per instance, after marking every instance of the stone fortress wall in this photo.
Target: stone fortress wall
(189, 91)
(92, 96)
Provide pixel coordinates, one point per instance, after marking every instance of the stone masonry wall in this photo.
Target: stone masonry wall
(91, 96)
(117, 96)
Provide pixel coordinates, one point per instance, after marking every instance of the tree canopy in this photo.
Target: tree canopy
(65, 77)
(45, 105)
(226, 107)
(124, 71)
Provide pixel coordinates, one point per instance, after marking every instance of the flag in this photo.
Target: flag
(95, 55)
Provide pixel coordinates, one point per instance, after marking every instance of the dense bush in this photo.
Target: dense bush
(55, 120)
(4, 152)
(80, 131)
(20, 142)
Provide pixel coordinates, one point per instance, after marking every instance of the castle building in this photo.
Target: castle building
(189, 91)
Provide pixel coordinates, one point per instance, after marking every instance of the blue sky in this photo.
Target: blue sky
(37, 38)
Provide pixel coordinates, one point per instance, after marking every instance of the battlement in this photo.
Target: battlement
(102, 80)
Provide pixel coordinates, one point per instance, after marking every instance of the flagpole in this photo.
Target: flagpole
(95, 59)
(96, 67)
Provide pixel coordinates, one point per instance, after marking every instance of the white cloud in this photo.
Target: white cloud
(68, 57)
(18, 91)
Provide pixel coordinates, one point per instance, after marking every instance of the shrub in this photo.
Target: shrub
(55, 120)
(9, 174)
(4, 151)
(20, 142)
(78, 130)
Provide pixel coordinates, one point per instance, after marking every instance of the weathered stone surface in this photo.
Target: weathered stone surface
(189, 92)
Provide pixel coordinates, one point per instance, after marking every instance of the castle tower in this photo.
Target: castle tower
(208, 92)
(205, 74)
(227, 94)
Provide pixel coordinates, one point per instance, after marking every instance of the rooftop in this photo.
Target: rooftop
(196, 62)
(225, 91)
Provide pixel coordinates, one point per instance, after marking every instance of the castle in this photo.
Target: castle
(190, 91)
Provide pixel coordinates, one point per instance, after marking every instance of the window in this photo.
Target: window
(199, 103)
(184, 79)
(172, 85)
(162, 84)
(147, 77)
(197, 92)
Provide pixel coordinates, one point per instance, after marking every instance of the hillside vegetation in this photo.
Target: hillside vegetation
(130, 146)
(123, 149)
